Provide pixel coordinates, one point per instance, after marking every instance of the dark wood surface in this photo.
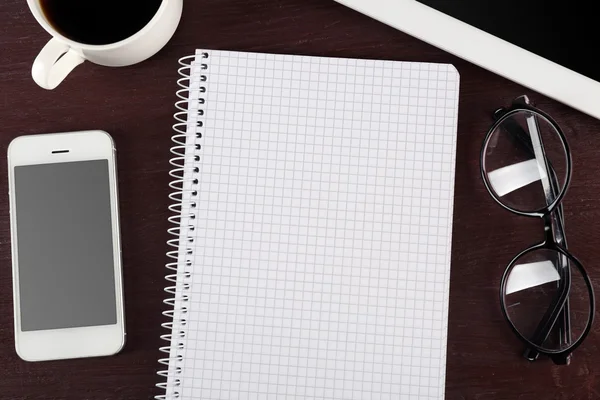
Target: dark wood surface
(135, 105)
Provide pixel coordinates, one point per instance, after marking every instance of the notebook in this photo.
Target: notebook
(312, 218)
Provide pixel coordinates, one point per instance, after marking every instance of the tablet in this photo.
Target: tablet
(546, 47)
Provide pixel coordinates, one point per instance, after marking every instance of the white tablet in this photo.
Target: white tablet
(550, 48)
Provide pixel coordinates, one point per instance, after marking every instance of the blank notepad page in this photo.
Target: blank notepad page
(319, 218)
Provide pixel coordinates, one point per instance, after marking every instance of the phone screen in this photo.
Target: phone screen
(65, 245)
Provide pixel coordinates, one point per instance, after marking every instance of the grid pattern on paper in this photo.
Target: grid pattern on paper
(321, 248)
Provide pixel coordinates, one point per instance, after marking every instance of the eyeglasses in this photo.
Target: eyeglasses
(545, 293)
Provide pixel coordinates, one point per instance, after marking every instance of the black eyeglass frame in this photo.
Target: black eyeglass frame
(560, 304)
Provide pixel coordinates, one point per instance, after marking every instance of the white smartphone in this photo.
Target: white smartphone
(66, 252)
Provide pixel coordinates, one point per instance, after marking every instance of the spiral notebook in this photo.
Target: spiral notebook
(312, 222)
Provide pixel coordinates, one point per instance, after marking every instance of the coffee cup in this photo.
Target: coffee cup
(113, 33)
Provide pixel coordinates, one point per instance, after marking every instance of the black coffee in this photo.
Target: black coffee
(99, 21)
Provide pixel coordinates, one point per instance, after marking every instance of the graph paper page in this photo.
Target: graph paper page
(320, 224)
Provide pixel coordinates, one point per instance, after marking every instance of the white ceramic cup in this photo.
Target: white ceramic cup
(61, 55)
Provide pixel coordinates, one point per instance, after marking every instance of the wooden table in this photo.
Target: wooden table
(136, 105)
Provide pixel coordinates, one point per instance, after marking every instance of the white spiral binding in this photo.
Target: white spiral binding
(176, 277)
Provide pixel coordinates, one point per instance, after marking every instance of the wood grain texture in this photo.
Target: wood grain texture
(135, 105)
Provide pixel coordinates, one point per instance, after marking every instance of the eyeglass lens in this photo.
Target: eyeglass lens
(525, 161)
(537, 282)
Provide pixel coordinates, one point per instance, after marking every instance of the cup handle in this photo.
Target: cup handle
(54, 63)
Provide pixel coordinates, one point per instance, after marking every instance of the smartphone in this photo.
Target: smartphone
(66, 252)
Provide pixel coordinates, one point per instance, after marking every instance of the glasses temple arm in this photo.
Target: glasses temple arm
(533, 144)
(544, 328)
